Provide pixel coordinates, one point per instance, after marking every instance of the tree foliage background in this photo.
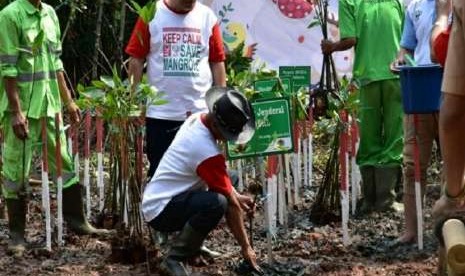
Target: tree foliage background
(82, 27)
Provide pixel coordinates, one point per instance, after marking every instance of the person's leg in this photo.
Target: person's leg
(389, 160)
(426, 132)
(452, 133)
(195, 214)
(159, 135)
(370, 141)
(16, 166)
(73, 206)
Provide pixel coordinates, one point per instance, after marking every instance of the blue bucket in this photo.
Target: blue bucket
(421, 88)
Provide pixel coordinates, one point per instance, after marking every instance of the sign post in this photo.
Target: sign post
(273, 133)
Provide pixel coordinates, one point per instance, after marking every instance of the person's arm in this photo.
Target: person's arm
(218, 73)
(9, 55)
(441, 25)
(235, 220)
(213, 172)
(328, 46)
(135, 70)
(348, 29)
(138, 48)
(18, 119)
(67, 99)
(217, 56)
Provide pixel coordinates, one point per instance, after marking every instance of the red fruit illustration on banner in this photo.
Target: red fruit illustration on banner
(294, 9)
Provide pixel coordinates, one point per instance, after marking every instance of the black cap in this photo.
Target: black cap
(232, 113)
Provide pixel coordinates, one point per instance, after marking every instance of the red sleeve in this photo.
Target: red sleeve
(216, 45)
(440, 46)
(139, 43)
(213, 172)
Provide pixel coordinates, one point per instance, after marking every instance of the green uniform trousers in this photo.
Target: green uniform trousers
(381, 131)
(14, 173)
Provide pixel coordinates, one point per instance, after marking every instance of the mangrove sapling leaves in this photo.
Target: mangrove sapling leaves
(147, 12)
(108, 81)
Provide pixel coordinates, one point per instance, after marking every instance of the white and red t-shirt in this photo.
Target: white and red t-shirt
(193, 161)
(179, 48)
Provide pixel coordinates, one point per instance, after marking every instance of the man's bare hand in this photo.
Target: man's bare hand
(247, 204)
(327, 46)
(250, 256)
(20, 125)
(74, 113)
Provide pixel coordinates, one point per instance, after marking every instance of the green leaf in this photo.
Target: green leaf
(108, 81)
(314, 23)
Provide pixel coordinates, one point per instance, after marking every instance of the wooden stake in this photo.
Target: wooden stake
(87, 126)
(282, 194)
(99, 149)
(59, 171)
(305, 161)
(269, 245)
(288, 178)
(344, 186)
(45, 187)
(418, 193)
(310, 159)
(240, 175)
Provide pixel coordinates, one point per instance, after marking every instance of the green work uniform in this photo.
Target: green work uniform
(30, 49)
(377, 26)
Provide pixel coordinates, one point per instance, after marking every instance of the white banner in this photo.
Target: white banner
(277, 33)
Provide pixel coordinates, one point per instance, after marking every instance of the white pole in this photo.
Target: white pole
(267, 213)
(288, 178)
(100, 182)
(126, 202)
(46, 206)
(281, 194)
(87, 185)
(354, 185)
(60, 209)
(299, 163)
(419, 214)
(345, 217)
(310, 159)
(240, 175)
(305, 160)
(296, 175)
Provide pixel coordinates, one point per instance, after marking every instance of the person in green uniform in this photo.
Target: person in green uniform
(374, 29)
(33, 91)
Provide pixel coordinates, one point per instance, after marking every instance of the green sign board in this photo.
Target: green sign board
(273, 133)
(300, 76)
(271, 88)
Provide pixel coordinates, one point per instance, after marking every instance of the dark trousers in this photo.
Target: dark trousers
(159, 135)
(203, 210)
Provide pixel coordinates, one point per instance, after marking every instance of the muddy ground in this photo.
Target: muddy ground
(301, 249)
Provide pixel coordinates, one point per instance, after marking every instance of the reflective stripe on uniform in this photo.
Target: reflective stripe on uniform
(8, 59)
(37, 76)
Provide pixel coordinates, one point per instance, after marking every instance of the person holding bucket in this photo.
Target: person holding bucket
(419, 18)
(380, 114)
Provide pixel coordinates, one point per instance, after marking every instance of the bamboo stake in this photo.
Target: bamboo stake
(282, 194)
(269, 246)
(99, 149)
(87, 126)
(288, 177)
(344, 187)
(453, 232)
(305, 161)
(45, 187)
(75, 143)
(310, 159)
(418, 193)
(59, 171)
(355, 174)
(240, 175)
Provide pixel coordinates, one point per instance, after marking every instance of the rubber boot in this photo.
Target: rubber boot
(386, 179)
(186, 245)
(73, 213)
(368, 189)
(17, 224)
